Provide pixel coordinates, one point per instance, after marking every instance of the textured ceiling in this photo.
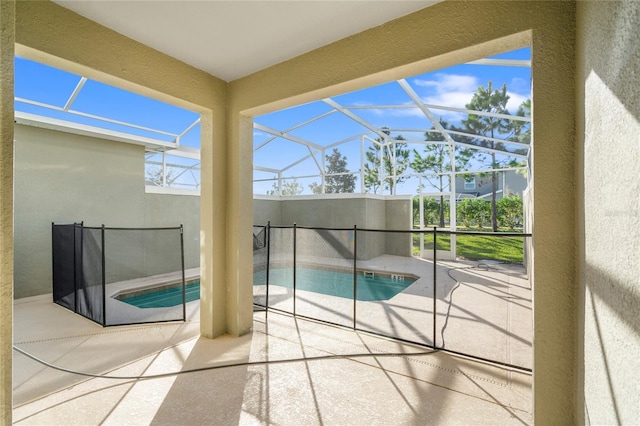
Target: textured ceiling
(231, 39)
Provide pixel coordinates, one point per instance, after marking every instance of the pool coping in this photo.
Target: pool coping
(128, 314)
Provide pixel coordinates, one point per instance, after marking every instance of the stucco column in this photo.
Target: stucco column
(226, 262)
(553, 177)
(240, 221)
(212, 226)
(7, 41)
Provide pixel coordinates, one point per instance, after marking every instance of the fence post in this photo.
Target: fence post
(75, 270)
(268, 244)
(355, 273)
(104, 282)
(53, 266)
(435, 276)
(184, 284)
(294, 268)
(81, 284)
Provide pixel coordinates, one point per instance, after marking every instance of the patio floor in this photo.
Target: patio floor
(417, 387)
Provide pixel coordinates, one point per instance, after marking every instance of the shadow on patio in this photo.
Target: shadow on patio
(371, 381)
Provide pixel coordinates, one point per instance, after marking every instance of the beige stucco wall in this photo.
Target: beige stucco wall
(64, 178)
(442, 35)
(344, 211)
(7, 15)
(609, 210)
(399, 215)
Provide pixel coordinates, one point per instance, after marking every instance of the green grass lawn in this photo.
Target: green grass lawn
(476, 247)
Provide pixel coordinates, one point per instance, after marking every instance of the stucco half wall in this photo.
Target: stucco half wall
(364, 211)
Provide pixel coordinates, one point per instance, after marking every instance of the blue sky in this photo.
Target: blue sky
(45, 84)
(453, 87)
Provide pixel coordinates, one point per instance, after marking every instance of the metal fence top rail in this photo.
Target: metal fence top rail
(110, 228)
(405, 231)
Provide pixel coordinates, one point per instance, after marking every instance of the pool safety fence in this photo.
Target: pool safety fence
(405, 285)
(96, 269)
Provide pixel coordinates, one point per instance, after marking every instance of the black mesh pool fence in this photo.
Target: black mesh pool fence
(460, 291)
(118, 276)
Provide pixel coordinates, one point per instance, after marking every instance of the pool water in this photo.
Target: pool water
(165, 298)
(335, 283)
(332, 283)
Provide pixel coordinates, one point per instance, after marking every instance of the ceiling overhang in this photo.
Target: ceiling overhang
(232, 39)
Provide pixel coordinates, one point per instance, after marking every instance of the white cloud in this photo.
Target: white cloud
(396, 112)
(450, 99)
(450, 82)
(452, 90)
(515, 99)
(456, 91)
(377, 111)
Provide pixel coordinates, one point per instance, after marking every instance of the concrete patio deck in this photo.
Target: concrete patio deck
(423, 388)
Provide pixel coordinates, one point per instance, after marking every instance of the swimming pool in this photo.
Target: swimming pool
(371, 286)
(162, 297)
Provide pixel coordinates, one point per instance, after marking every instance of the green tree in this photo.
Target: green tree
(371, 174)
(289, 187)
(464, 212)
(395, 161)
(493, 101)
(315, 188)
(473, 211)
(437, 159)
(431, 210)
(510, 211)
(153, 175)
(336, 182)
(521, 130)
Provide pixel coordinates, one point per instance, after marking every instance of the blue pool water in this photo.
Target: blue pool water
(332, 283)
(335, 283)
(164, 298)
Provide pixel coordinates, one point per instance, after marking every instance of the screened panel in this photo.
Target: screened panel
(487, 309)
(406, 185)
(182, 172)
(63, 253)
(324, 275)
(260, 259)
(144, 276)
(117, 276)
(394, 292)
(90, 292)
(478, 305)
(280, 289)
(153, 168)
(433, 211)
(299, 186)
(263, 182)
